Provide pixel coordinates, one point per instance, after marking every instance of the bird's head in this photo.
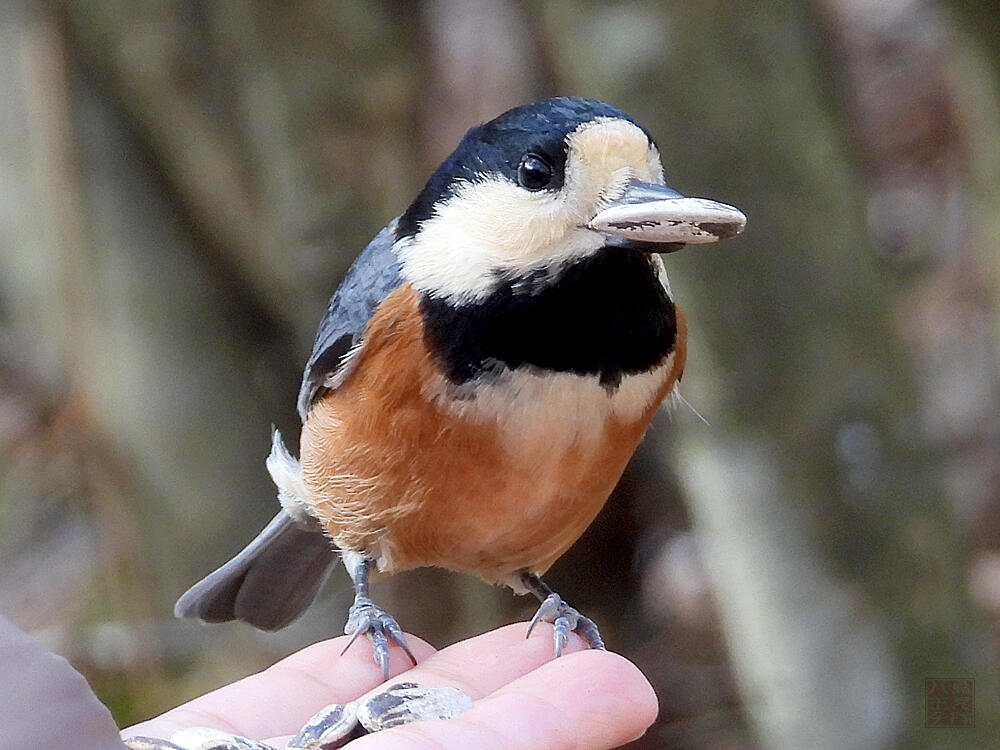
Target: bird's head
(542, 186)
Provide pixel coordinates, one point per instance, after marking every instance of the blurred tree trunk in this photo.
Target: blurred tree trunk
(931, 191)
(929, 155)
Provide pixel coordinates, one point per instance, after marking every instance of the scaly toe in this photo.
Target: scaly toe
(587, 629)
(560, 634)
(367, 618)
(565, 619)
(395, 633)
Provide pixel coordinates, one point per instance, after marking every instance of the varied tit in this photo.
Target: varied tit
(483, 374)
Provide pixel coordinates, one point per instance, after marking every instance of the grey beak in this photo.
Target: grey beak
(648, 215)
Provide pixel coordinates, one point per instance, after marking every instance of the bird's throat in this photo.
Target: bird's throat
(607, 315)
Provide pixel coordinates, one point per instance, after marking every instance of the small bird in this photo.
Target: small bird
(482, 375)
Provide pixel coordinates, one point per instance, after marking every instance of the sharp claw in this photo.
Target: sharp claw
(548, 609)
(367, 618)
(534, 621)
(396, 633)
(362, 628)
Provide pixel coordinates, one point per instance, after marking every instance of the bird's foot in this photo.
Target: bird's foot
(365, 617)
(565, 619)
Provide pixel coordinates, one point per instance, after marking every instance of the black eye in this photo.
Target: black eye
(533, 173)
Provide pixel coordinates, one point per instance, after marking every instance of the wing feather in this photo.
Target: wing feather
(370, 279)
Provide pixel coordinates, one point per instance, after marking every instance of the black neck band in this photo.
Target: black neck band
(607, 315)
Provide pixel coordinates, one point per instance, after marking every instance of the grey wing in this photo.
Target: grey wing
(370, 279)
(277, 575)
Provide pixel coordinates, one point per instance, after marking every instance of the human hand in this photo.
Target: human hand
(586, 700)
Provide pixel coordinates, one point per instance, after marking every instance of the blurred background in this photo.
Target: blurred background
(183, 184)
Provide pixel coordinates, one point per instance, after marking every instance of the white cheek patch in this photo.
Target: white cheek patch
(493, 229)
(489, 229)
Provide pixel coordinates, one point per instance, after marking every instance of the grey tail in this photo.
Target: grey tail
(270, 583)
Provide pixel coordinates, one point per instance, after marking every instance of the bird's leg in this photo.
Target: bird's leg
(365, 617)
(562, 616)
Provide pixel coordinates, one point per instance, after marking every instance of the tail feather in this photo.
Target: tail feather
(270, 583)
(277, 576)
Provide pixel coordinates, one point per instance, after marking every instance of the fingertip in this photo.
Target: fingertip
(625, 678)
(600, 697)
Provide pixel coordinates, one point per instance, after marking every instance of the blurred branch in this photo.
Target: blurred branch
(480, 61)
(898, 79)
(161, 80)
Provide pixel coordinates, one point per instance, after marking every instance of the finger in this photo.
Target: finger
(591, 700)
(282, 698)
(487, 662)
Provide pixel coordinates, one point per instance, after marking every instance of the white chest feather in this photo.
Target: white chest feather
(543, 413)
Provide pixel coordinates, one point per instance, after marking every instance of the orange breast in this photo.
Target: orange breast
(404, 468)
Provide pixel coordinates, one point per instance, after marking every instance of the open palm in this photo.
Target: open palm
(585, 700)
